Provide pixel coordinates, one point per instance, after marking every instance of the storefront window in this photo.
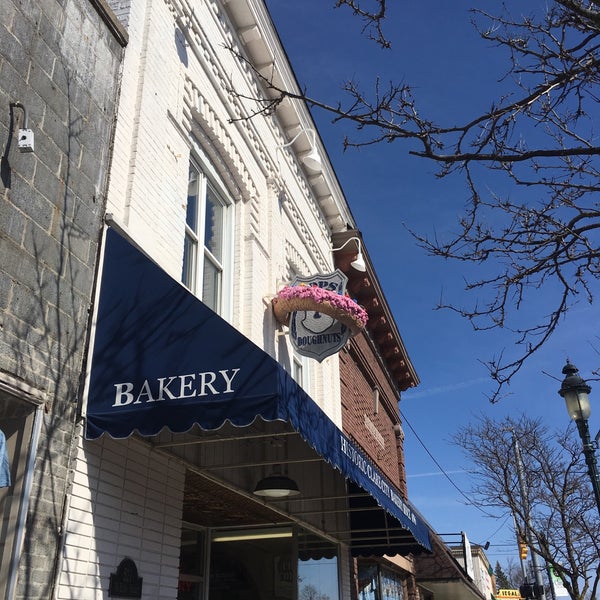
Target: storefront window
(391, 586)
(318, 579)
(317, 568)
(272, 563)
(378, 583)
(252, 565)
(367, 582)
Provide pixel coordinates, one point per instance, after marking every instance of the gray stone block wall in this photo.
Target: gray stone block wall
(61, 60)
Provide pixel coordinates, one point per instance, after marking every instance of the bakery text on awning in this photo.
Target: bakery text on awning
(161, 358)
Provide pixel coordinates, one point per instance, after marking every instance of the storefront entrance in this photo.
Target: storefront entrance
(221, 407)
(281, 563)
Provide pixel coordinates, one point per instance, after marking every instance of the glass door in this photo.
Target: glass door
(192, 559)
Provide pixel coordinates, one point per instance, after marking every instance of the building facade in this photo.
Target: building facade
(174, 441)
(59, 67)
(374, 371)
(454, 571)
(197, 401)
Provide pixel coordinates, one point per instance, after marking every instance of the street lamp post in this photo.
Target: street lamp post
(576, 391)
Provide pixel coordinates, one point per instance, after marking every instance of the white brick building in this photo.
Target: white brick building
(226, 205)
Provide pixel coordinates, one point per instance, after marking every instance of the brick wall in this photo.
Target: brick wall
(60, 60)
(374, 425)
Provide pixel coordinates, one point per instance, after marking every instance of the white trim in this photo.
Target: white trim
(21, 390)
(212, 178)
(93, 326)
(20, 526)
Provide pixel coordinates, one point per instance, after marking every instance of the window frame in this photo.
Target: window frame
(208, 180)
(25, 440)
(301, 371)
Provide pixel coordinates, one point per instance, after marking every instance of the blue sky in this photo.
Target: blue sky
(454, 74)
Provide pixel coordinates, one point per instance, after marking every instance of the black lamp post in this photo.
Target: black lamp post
(576, 391)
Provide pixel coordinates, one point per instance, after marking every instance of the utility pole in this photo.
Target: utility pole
(539, 584)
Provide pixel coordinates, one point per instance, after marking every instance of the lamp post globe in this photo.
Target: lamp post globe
(576, 392)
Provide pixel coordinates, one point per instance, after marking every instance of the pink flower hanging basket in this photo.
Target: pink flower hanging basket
(313, 298)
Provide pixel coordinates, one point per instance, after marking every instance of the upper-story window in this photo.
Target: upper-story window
(207, 238)
(298, 369)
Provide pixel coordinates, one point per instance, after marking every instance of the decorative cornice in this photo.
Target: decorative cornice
(294, 214)
(297, 264)
(218, 130)
(197, 109)
(382, 331)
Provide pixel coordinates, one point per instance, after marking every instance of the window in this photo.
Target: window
(318, 573)
(206, 233)
(20, 421)
(297, 368)
(301, 370)
(251, 564)
(378, 583)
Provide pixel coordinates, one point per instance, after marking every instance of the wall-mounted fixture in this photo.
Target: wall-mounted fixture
(25, 136)
(359, 262)
(276, 486)
(312, 160)
(125, 583)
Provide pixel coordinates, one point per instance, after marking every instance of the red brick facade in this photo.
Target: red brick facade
(374, 370)
(369, 409)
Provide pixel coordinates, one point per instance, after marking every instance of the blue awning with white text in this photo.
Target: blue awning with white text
(161, 358)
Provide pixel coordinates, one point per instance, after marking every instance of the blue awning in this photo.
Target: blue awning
(161, 358)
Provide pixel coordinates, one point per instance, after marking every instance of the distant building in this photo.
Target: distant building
(454, 572)
(480, 569)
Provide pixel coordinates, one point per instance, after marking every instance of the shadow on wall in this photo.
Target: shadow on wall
(5, 173)
(57, 217)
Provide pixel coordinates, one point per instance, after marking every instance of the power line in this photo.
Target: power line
(469, 501)
(489, 537)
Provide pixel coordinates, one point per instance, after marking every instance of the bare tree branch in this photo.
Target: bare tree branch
(559, 512)
(372, 18)
(540, 135)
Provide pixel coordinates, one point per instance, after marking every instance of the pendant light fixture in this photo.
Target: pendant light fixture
(276, 486)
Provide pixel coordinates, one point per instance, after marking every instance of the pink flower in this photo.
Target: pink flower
(319, 295)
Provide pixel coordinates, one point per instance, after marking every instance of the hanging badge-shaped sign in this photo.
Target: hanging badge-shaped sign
(316, 334)
(320, 315)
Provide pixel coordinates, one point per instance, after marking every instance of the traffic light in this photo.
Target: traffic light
(526, 591)
(522, 550)
(531, 591)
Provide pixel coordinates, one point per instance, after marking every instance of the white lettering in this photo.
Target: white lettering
(164, 388)
(206, 381)
(123, 391)
(344, 445)
(145, 391)
(186, 385)
(179, 387)
(229, 380)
